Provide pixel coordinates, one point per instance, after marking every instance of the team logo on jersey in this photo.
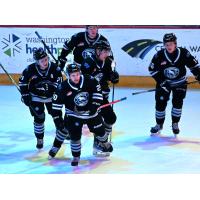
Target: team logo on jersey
(87, 53)
(81, 99)
(171, 72)
(140, 48)
(99, 76)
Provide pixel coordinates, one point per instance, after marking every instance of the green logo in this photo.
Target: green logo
(11, 45)
(140, 48)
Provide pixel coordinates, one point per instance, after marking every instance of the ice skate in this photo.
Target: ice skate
(39, 144)
(102, 149)
(75, 161)
(156, 130)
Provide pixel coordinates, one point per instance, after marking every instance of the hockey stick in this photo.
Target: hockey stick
(113, 66)
(10, 77)
(15, 84)
(152, 90)
(40, 38)
(112, 103)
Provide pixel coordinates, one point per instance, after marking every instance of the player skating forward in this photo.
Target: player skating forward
(99, 66)
(81, 45)
(37, 84)
(82, 96)
(169, 71)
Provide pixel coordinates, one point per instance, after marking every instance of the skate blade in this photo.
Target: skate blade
(74, 164)
(101, 154)
(40, 150)
(50, 157)
(175, 137)
(155, 134)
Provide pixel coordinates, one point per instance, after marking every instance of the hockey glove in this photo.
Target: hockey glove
(26, 99)
(114, 77)
(93, 109)
(62, 62)
(49, 91)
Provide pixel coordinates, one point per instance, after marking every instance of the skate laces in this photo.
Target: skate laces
(157, 127)
(103, 145)
(107, 145)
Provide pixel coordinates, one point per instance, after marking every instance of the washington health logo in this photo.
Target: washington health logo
(140, 48)
(11, 45)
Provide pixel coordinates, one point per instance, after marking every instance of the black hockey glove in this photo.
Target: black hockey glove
(165, 86)
(26, 99)
(93, 109)
(62, 62)
(49, 91)
(114, 77)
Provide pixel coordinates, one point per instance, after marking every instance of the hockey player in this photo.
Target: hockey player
(82, 96)
(81, 44)
(37, 84)
(99, 66)
(168, 69)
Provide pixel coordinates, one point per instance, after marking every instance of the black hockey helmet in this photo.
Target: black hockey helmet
(87, 26)
(39, 54)
(169, 37)
(102, 44)
(72, 68)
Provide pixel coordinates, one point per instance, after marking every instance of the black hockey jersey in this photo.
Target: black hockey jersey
(81, 45)
(40, 84)
(100, 70)
(77, 98)
(172, 67)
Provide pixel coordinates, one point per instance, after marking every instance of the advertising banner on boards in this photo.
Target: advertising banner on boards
(133, 49)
